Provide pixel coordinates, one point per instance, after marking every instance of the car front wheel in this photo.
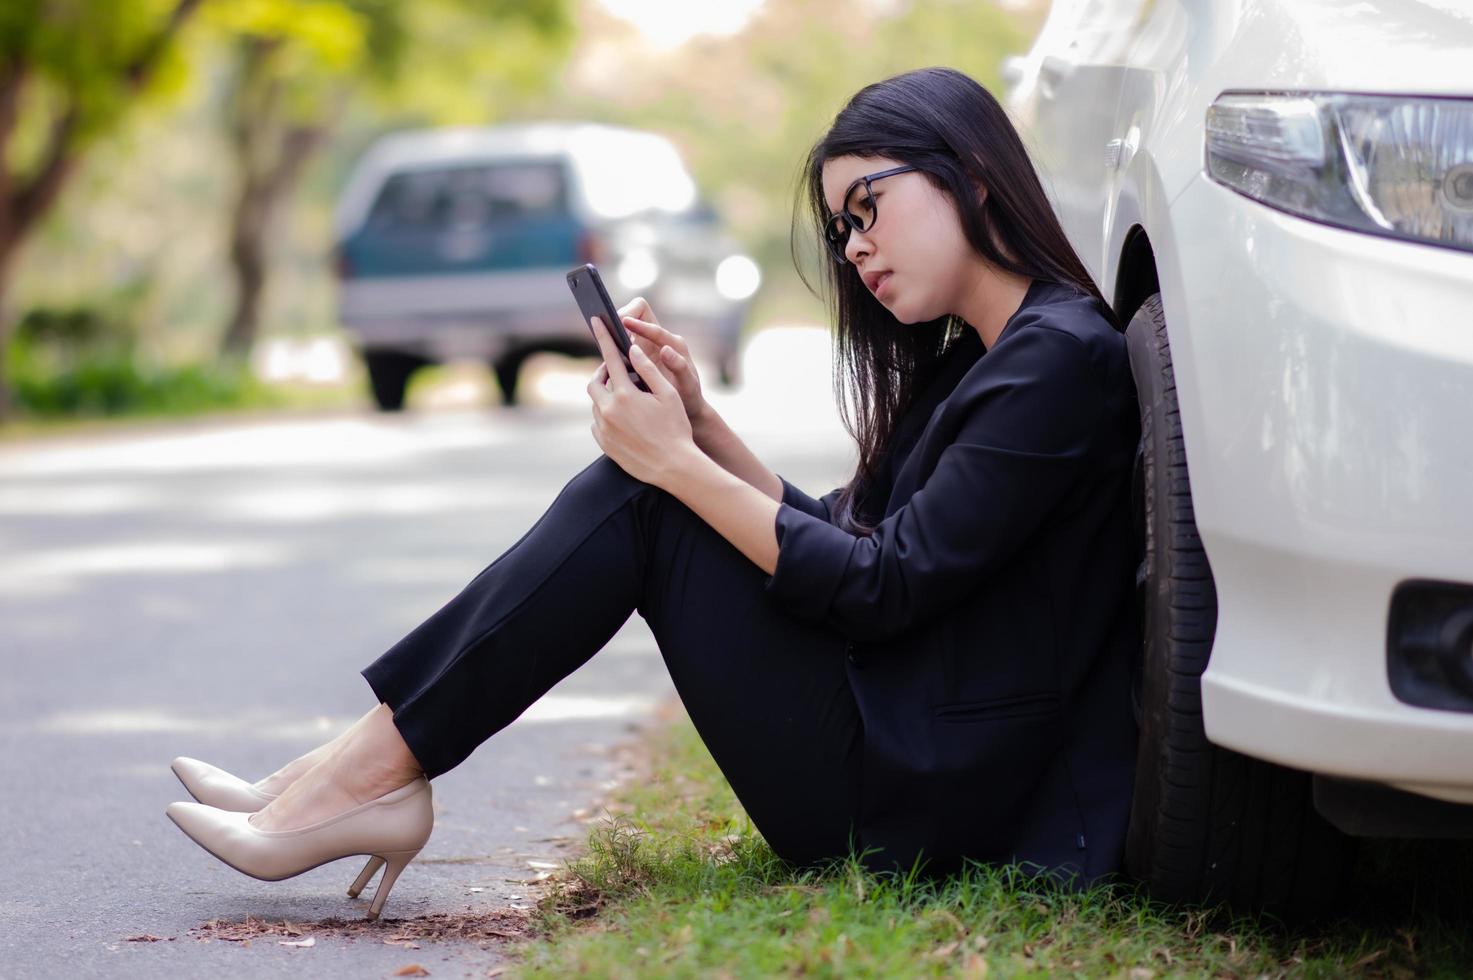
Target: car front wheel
(1208, 825)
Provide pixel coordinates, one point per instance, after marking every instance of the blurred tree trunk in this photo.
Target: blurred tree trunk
(27, 53)
(270, 154)
(23, 200)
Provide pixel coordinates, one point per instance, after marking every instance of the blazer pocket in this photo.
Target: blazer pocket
(1017, 706)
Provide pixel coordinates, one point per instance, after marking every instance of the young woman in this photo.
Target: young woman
(929, 663)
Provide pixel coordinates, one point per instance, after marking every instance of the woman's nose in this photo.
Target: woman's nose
(856, 246)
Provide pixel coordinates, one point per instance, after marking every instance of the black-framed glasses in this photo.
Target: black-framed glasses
(857, 212)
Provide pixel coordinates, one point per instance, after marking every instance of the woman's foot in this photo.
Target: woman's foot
(276, 783)
(367, 761)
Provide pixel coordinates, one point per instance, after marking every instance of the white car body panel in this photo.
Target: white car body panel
(1325, 376)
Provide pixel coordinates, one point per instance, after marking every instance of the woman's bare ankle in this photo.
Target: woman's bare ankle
(376, 760)
(317, 795)
(278, 781)
(366, 761)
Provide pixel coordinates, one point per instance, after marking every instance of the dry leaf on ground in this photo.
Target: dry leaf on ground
(493, 926)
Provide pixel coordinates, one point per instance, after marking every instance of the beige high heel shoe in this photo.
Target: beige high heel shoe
(391, 829)
(215, 787)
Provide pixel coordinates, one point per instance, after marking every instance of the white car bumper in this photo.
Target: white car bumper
(1326, 388)
(480, 316)
(472, 315)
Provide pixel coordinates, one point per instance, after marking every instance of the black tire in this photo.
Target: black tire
(507, 369)
(388, 376)
(1208, 825)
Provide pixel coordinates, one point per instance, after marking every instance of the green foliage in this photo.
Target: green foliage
(473, 62)
(121, 386)
(324, 35)
(60, 338)
(78, 56)
(440, 59)
(684, 886)
(83, 361)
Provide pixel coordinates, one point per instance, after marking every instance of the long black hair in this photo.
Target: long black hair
(956, 134)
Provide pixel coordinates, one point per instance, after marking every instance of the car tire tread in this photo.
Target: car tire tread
(1208, 825)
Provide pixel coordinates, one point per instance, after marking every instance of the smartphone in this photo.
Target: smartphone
(593, 301)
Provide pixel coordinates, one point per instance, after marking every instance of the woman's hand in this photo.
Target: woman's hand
(668, 351)
(647, 434)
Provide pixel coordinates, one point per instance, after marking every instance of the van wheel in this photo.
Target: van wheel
(1207, 825)
(388, 376)
(507, 368)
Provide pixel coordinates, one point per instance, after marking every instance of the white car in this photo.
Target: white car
(1277, 196)
(454, 243)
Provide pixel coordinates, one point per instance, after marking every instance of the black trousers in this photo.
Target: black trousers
(767, 693)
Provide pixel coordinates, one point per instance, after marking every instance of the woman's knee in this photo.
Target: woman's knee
(603, 469)
(602, 486)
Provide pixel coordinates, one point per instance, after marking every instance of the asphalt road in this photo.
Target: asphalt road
(212, 589)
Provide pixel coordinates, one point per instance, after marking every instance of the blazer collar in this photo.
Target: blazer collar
(965, 352)
(1036, 291)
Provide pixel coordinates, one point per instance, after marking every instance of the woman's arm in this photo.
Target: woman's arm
(735, 509)
(716, 440)
(1025, 441)
(650, 436)
(722, 445)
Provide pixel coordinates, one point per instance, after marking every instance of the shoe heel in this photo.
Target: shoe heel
(396, 861)
(365, 876)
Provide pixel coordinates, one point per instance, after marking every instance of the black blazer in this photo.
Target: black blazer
(991, 617)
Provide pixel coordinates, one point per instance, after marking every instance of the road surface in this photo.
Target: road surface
(213, 588)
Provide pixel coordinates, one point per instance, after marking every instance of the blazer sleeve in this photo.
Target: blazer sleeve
(819, 507)
(1024, 438)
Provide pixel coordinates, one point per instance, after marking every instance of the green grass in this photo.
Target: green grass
(680, 884)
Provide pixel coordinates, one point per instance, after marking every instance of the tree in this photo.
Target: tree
(69, 72)
(297, 63)
(745, 108)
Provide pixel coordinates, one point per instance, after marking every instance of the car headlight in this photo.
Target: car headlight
(1388, 165)
(737, 277)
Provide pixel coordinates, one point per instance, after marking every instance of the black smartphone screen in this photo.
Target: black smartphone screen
(593, 301)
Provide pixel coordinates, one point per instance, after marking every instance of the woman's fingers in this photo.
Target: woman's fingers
(648, 345)
(644, 343)
(678, 363)
(618, 376)
(653, 376)
(638, 307)
(597, 393)
(658, 334)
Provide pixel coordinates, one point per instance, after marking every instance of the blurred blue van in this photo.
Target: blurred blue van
(453, 244)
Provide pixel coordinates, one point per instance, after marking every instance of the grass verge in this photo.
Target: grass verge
(680, 884)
